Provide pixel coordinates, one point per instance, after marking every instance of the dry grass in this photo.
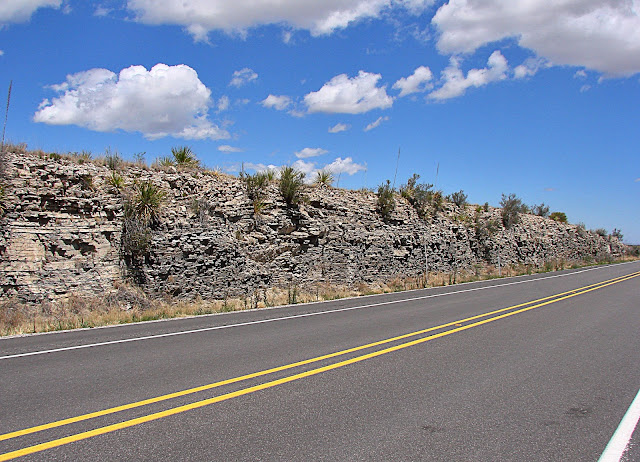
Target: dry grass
(129, 304)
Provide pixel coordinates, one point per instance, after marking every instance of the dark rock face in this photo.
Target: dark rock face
(62, 228)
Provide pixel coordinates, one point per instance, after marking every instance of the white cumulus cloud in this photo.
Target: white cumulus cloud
(455, 83)
(243, 77)
(199, 17)
(223, 103)
(310, 152)
(529, 68)
(339, 127)
(416, 83)
(376, 123)
(21, 10)
(279, 103)
(349, 95)
(164, 101)
(602, 35)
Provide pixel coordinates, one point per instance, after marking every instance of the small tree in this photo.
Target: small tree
(386, 204)
(560, 217)
(291, 184)
(601, 232)
(459, 198)
(511, 208)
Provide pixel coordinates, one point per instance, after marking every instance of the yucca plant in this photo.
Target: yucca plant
(184, 157)
(291, 184)
(324, 177)
(115, 180)
(146, 202)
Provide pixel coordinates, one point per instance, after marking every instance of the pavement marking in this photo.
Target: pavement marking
(283, 318)
(622, 436)
(198, 404)
(157, 399)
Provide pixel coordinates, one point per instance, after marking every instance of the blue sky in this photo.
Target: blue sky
(534, 98)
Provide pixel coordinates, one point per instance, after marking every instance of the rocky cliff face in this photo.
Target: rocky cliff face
(62, 229)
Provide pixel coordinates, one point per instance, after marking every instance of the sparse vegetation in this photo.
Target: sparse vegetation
(184, 157)
(145, 202)
(256, 185)
(112, 159)
(601, 232)
(2, 200)
(540, 210)
(512, 206)
(116, 180)
(617, 234)
(291, 185)
(560, 217)
(421, 196)
(324, 177)
(201, 208)
(386, 203)
(459, 198)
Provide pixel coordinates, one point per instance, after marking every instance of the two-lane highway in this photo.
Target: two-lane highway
(541, 367)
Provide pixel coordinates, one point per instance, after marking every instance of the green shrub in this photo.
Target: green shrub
(560, 217)
(486, 206)
(419, 195)
(291, 184)
(601, 232)
(459, 198)
(112, 159)
(184, 157)
(324, 177)
(115, 180)
(386, 204)
(617, 234)
(512, 206)
(145, 203)
(541, 210)
(255, 184)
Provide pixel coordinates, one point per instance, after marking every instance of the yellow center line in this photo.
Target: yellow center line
(273, 383)
(210, 386)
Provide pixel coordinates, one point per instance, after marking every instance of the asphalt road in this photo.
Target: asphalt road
(539, 368)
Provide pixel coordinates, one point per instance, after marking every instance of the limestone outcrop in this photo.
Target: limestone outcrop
(61, 233)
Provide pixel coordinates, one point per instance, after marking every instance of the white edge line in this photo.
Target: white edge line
(284, 318)
(620, 439)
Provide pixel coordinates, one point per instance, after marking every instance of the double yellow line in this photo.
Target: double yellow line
(490, 317)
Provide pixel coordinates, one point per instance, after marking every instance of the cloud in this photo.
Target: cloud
(581, 74)
(223, 103)
(637, 180)
(279, 103)
(1, 53)
(199, 17)
(455, 83)
(376, 123)
(602, 35)
(21, 10)
(337, 167)
(549, 189)
(340, 127)
(349, 95)
(415, 83)
(585, 88)
(227, 148)
(101, 11)
(164, 101)
(243, 77)
(310, 152)
(529, 68)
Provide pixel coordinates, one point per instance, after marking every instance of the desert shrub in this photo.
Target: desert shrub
(459, 198)
(112, 159)
(512, 206)
(54, 156)
(386, 204)
(541, 210)
(184, 157)
(136, 237)
(435, 200)
(201, 209)
(115, 180)
(324, 177)
(601, 232)
(560, 217)
(617, 234)
(145, 202)
(419, 195)
(255, 184)
(291, 185)
(486, 206)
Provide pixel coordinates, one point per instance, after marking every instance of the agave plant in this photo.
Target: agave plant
(184, 156)
(291, 183)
